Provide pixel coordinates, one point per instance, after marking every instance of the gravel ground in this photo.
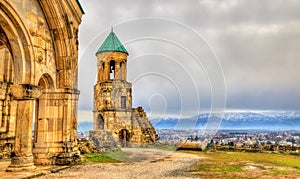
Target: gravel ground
(144, 163)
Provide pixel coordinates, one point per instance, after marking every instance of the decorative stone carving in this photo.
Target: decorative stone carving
(26, 91)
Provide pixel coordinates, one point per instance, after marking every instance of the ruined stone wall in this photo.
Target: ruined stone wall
(38, 80)
(143, 131)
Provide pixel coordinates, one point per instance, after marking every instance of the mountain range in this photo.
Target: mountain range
(228, 120)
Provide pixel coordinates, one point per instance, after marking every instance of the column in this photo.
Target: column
(1, 113)
(117, 71)
(100, 73)
(23, 158)
(106, 70)
(124, 71)
(69, 128)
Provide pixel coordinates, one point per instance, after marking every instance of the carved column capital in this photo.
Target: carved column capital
(26, 91)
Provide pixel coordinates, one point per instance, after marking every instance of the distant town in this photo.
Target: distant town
(239, 139)
(252, 140)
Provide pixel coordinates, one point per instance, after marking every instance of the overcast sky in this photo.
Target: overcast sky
(186, 57)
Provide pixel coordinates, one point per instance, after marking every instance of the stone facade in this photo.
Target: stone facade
(113, 99)
(38, 81)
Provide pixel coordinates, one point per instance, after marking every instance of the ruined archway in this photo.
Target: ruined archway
(38, 81)
(18, 41)
(16, 89)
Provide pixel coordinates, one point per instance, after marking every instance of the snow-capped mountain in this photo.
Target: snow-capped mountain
(230, 120)
(269, 120)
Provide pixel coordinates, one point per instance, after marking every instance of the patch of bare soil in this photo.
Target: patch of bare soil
(142, 163)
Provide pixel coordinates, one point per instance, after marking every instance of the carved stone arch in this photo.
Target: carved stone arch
(20, 44)
(46, 82)
(64, 32)
(43, 118)
(52, 12)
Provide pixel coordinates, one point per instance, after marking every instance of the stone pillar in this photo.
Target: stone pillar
(117, 71)
(23, 159)
(68, 128)
(100, 73)
(106, 70)
(124, 72)
(1, 104)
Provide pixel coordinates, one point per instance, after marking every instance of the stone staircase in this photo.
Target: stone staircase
(146, 128)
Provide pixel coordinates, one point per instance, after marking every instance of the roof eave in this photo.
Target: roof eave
(110, 51)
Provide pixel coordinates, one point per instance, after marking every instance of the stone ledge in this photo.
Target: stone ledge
(26, 91)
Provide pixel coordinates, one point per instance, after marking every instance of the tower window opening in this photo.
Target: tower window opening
(123, 102)
(112, 70)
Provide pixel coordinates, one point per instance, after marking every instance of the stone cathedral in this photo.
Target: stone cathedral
(38, 81)
(113, 110)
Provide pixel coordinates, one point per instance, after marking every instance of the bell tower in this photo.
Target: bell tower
(112, 93)
(113, 110)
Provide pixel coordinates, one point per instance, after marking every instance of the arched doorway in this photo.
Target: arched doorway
(44, 124)
(100, 122)
(124, 137)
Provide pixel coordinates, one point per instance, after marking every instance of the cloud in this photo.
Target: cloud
(256, 42)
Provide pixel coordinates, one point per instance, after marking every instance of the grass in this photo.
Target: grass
(245, 165)
(217, 167)
(261, 158)
(281, 172)
(166, 147)
(102, 158)
(117, 155)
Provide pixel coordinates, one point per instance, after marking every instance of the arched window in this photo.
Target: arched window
(46, 82)
(112, 70)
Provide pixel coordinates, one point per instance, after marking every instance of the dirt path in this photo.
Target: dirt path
(143, 163)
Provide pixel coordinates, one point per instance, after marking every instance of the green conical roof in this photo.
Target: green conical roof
(112, 44)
